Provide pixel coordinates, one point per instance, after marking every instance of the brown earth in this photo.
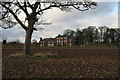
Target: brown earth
(72, 63)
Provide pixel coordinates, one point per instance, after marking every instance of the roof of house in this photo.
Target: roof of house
(63, 36)
(48, 39)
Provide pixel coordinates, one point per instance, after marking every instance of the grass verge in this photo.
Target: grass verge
(44, 56)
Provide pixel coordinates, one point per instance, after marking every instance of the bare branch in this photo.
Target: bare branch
(25, 5)
(18, 20)
(29, 5)
(78, 8)
(66, 7)
(9, 24)
(5, 15)
(21, 7)
(36, 6)
(37, 9)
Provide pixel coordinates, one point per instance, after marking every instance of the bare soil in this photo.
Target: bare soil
(73, 62)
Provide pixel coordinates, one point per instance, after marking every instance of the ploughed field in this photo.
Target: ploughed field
(72, 62)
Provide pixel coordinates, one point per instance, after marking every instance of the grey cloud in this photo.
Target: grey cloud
(13, 34)
(102, 15)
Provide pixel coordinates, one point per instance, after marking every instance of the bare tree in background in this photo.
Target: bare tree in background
(103, 30)
(11, 10)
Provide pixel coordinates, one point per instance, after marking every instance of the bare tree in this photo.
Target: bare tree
(11, 11)
(103, 30)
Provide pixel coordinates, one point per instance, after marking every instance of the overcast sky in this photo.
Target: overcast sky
(105, 14)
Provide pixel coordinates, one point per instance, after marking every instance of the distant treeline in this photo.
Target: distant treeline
(92, 34)
(88, 35)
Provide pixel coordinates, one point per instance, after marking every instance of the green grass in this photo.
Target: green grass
(18, 56)
(44, 56)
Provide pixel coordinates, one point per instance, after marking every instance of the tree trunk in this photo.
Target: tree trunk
(27, 44)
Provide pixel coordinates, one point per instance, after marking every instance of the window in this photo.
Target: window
(59, 41)
(65, 37)
(41, 45)
(70, 40)
(65, 41)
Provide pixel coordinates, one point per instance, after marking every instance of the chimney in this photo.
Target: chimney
(41, 39)
(58, 34)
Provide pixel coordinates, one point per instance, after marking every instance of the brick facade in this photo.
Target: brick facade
(60, 40)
